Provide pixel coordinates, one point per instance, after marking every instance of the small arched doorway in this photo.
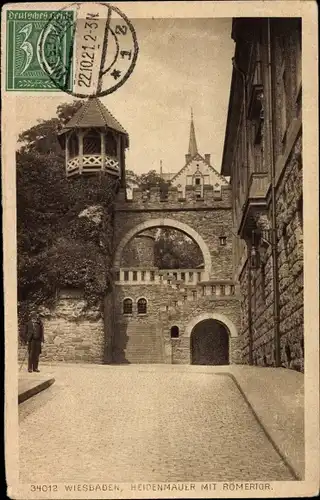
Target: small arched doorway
(209, 343)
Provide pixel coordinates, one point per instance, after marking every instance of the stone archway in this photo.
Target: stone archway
(164, 222)
(211, 332)
(209, 343)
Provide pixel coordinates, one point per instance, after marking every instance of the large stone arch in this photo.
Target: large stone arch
(160, 222)
(218, 317)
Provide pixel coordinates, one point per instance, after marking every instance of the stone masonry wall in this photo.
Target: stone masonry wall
(167, 307)
(209, 223)
(72, 333)
(290, 269)
(290, 252)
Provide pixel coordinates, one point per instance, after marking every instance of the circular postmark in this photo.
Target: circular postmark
(88, 49)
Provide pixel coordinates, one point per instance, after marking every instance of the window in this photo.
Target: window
(117, 275)
(142, 306)
(73, 145)
(190, 276)
(197, 180)
(183, 276)
(110, 144)
(194, 294)
(174, 332)
(222, 289)
(232, 290)
(213, 289)
(134, 275)
(185, 298)
(223, 241)
(151, 275)
(283, 86)
(127, 306)
(92, 143)
(199, 276)
(143, 275)
(126, 275)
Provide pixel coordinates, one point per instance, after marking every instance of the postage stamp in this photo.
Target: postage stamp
(36, 46)
(83, 49)
(160, 218)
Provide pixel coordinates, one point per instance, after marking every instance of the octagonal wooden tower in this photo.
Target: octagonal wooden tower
(94, 141)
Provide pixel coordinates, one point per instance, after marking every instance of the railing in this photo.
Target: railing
(92, 163)
(156, 276)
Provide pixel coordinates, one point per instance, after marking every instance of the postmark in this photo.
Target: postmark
(87, 49)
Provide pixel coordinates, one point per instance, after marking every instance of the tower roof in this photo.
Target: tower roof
(193, 149)
(93, 114)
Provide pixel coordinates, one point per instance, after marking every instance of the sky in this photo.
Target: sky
(182, 64)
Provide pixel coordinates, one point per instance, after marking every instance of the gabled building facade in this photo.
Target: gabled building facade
(263, 157)
(197, 173)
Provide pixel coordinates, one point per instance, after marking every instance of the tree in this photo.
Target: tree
(64, 227)
(175, 250)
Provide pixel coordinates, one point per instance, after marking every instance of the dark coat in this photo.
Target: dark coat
(34, 331)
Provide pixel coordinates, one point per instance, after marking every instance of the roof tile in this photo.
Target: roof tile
(93, 114)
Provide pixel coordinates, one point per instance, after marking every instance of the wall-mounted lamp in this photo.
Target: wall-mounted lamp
(255, 258)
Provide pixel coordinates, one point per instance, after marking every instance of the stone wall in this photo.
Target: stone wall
(290, 270)
(209, 223)
(167, 307)
(290, 260)
(72, 332)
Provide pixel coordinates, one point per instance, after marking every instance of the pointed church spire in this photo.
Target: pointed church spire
(193, 150)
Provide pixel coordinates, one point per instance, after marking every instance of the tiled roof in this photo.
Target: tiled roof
(94, 114)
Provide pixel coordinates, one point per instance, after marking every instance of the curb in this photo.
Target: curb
(285, 459)
(23, 396)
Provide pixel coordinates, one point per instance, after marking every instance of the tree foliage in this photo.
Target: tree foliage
(146, 181)
(64, 226)
(175, 250)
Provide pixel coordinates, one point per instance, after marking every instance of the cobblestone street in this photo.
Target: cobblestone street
(142, 423)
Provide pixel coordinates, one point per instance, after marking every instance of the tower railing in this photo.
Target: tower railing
(92, 163)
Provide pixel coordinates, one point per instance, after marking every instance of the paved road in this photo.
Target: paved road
(142, 423)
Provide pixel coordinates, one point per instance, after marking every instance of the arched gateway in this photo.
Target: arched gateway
(197, 203)
(150, 313)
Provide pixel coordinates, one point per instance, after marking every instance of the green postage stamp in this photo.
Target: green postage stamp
(39, 46)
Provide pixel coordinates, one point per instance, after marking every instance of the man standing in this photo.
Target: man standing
(35, 338)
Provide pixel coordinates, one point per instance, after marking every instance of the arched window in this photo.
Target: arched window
(174, 332)
(92, 143)
(142, 306)
(127, 306)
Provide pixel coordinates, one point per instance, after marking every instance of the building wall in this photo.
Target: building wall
(73, 333)
(147, 338)
(287, 149)
(197, 167)
(210, 218)
(167, 307)
(139, 251)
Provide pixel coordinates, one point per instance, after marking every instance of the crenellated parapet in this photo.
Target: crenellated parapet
(172, 198)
